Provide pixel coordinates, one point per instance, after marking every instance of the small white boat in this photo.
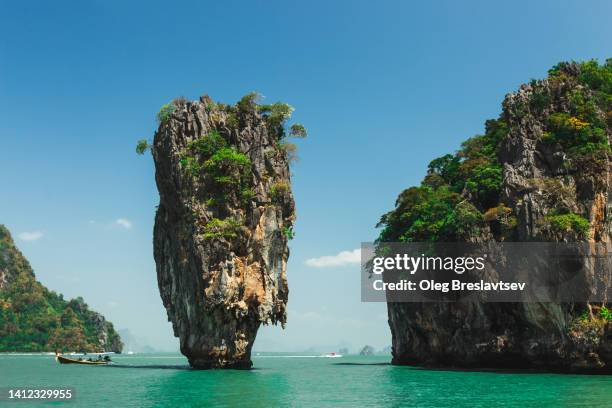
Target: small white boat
(332, 355)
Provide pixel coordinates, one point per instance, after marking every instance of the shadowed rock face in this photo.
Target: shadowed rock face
(539, 178)
(221, 230)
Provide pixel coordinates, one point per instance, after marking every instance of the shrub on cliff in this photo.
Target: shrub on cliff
(165, 112)
(278, 190)
(578, 122)
(562, 223)
(208, 144)
(276, 115)
(577, 136)
(217, 228)
(142, 146)
(228, 166)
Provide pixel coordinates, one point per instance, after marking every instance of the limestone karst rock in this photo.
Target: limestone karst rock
(541, 172)
(34, 318)
(367, 351)
(225, 216)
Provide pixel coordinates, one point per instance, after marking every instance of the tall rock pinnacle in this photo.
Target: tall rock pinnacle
(225, 216)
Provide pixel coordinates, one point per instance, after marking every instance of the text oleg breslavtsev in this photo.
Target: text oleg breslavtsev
(454, 285)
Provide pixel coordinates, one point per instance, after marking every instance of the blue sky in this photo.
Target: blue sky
(383, 88)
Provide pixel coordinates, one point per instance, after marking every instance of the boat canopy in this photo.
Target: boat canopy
(91, 354)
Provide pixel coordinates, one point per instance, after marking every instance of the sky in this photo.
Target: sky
(383, 88)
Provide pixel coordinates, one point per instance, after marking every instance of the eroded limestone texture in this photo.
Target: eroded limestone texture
(225, 215)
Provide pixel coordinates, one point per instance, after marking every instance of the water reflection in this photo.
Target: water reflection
(218, 388)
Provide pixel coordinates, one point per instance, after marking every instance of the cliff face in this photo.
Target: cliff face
(541, 172)
(32, 318)
(225, 216)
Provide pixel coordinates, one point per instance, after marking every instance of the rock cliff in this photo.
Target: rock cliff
(541, 172)
(33, 318)
(225, 216)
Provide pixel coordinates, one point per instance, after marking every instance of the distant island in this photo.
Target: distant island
(35, 319)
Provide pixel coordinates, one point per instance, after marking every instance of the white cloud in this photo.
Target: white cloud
(124, 222)
(30, 236)
(341, 259)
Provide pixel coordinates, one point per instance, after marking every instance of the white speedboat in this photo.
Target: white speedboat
(332, 355)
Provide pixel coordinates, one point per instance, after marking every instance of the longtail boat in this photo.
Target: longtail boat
(99, 361)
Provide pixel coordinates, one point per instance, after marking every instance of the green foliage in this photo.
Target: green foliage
(278, 191)
(228, 166)
(207, 145)
(288, 232)
(232, 119)
(276, 115)
(211, 153)
(165, 112)
(430, 214)
(598, 81)
(605, 314)
(191, 165)
(560, 223)
(437, 211)
(34, 319)
(474, 168)
(577, 137)
(217, 228)
(598, 77)
(584, 316)
(142, 146)
(584, 107)
(539, 98)
(211, 156)
(247, 194)
(298, 130)
(248, 103)
(458, 187)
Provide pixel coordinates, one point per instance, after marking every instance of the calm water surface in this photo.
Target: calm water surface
(164, 380)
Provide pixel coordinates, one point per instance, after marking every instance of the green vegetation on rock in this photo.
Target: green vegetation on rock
(142, 146)
(211, 156)
(461, 192)
(33, 318)
(228, 166)
(165, 112)
(288, 232)
(438, 209)
(561, 223)
(278, 190)
(217, 228)
(582, 131)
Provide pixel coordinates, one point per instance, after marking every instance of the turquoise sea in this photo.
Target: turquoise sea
(282, 380)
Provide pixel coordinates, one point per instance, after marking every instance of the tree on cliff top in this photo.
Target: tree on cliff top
(458, 196)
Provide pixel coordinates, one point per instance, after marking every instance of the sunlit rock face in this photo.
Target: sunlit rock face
(555, 186)
(225, 215)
